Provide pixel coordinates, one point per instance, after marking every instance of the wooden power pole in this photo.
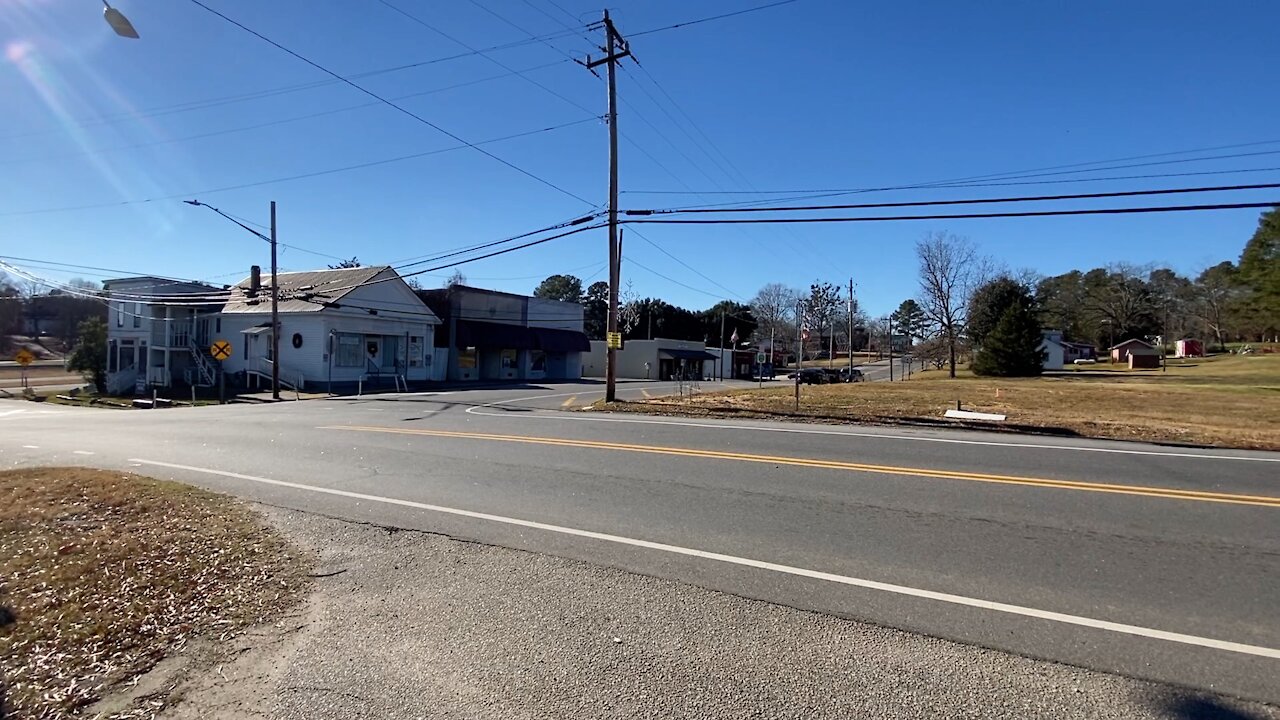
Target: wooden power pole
(615, 48)
(275, 312)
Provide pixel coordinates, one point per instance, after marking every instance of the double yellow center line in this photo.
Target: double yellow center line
(1144, 491)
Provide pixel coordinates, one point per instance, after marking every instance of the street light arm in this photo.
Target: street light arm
(197, 203)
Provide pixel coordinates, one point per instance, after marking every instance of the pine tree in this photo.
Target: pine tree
(1012, 348)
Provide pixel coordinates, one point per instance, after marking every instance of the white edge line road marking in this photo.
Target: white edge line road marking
(545, 414)
(81, 452)
(31, 447)
(763, 565)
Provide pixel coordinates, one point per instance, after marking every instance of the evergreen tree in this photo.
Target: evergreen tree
(90, 356)
(1012, 347)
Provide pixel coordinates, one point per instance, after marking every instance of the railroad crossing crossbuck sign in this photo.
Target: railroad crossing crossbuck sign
(220, 350)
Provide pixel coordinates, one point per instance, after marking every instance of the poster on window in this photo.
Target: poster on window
(415, 351)
(508, 359)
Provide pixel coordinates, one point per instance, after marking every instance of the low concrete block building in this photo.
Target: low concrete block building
(656, 359)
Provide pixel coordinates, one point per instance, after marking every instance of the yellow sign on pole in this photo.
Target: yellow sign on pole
(24, 357)
(220, 350)
(614, 340)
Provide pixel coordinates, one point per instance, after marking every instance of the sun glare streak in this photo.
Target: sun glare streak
(49, 85)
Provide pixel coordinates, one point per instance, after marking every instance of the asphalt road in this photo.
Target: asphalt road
(1151, 561)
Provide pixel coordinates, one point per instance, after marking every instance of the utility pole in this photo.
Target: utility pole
(891, 347)
(275, 312)
(800, 352)
(851, 329)
(615, 48)
(721, 372)
(1164, 339)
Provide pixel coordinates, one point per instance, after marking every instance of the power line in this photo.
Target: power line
(570, 101)
(391, 104)
(495, 243)
(699, 21)
(961, 182)
(1038, 198)
(841, 191)
(702, 146)
(290, 178)
(689, 267)
(77, 292)
(272, 123)
(966, 216)
(642, 266)
(118, 272)
(486, 56)
(271, 92)
(596, 212)
(504, 251)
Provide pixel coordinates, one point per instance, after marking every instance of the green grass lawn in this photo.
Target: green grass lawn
(1229, 401)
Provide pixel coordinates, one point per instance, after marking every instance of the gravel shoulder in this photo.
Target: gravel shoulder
(404, 624)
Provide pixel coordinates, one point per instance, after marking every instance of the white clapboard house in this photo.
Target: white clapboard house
(338, 328)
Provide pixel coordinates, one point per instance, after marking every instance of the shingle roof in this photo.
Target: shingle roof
(300, 291)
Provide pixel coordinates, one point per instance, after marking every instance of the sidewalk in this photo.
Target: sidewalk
(405, 624)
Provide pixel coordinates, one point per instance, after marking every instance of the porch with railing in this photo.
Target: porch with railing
(181, 332)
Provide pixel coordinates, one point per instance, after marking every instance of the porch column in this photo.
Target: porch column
(168, 325)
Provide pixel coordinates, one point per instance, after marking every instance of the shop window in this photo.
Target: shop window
(349, 352)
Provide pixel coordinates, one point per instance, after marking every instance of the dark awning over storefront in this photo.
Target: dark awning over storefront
(500, 336)
(677, 354)
(553, 340)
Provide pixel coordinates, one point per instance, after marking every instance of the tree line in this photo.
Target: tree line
(971, 306)
(967, 302)
(26, 307)
(648, 317)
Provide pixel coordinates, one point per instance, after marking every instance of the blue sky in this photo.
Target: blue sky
(809, 94)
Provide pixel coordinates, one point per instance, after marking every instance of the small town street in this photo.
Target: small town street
(1154, 562)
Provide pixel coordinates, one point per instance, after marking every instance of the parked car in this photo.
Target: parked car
(812, 376)
(851, 375)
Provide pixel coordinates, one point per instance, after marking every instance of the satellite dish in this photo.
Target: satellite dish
(118, 22)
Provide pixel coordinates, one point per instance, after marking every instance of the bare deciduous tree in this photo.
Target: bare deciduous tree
(457, 278)
(950, 269)
(772, 305)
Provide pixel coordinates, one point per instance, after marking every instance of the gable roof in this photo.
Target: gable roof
(305, 291)
(1131, 341)
(153, 285)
